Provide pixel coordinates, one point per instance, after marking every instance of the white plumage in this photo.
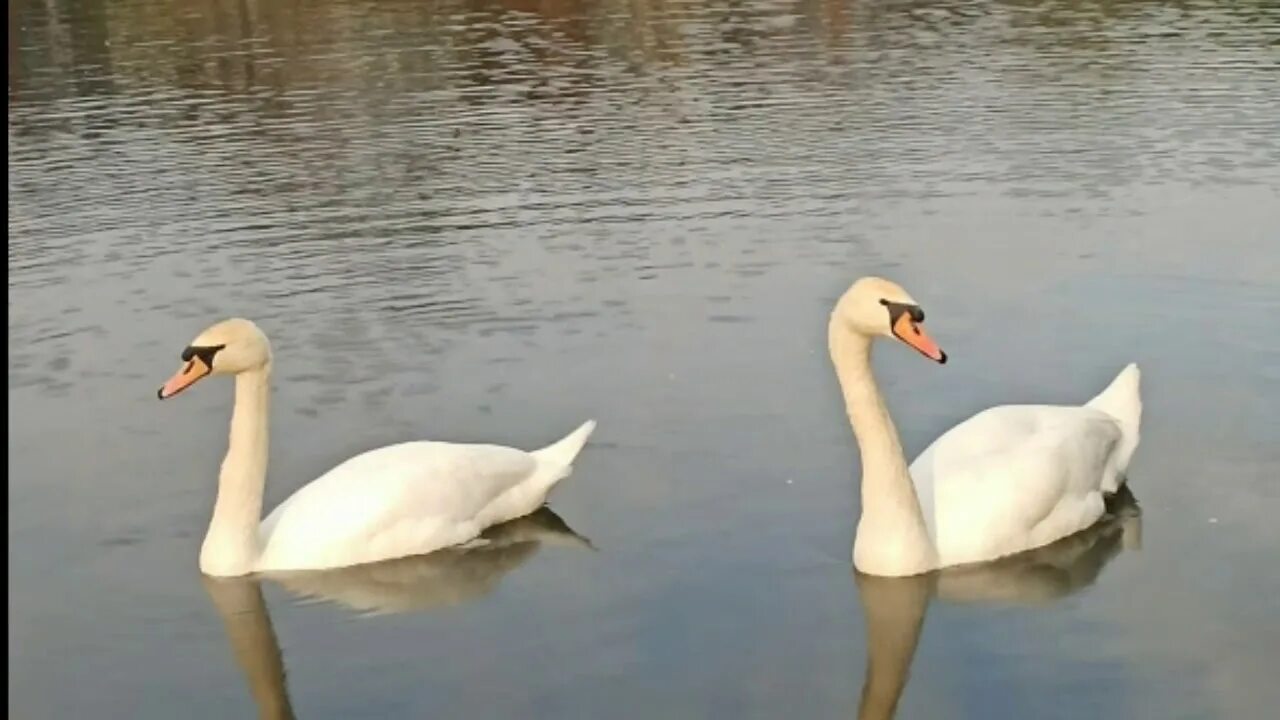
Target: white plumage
(392, 502)
(1017, 477)
(410, 499)
(1009, 479)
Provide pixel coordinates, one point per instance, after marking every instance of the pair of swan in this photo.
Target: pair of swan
(1009, 479)
(894, 608)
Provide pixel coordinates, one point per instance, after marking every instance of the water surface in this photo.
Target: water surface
(492, 220)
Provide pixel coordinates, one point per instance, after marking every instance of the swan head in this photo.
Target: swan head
(875, 307)
(226, 348)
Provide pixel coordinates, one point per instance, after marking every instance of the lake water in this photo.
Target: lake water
(492, 220)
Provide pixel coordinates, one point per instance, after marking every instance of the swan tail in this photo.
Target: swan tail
(1122, 400)
(563, 452)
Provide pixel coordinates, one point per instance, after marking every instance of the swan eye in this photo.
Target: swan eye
(897, 310)
(204, 352)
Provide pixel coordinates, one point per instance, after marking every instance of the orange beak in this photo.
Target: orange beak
(184, 378)
(910, 332)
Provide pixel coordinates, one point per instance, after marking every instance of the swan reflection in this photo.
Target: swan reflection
(895, 608)
(443, 578)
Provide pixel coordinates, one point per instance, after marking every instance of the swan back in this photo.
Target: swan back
(1122, 400)
(390, 502)
(1015, 477)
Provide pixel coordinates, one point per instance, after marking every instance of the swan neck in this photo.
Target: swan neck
(873, 428)
(892, 536)
(231, 546)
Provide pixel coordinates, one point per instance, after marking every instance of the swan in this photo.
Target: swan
(1008, 479)
(394, 501)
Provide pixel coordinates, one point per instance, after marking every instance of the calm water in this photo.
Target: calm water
(490, 221)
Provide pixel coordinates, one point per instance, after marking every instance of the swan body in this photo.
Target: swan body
(408, 499)
(1009, 479)
(391, 502)
(1016, 477)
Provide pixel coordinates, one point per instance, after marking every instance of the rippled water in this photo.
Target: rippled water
(491, 220)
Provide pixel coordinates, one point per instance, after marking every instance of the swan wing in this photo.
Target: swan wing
(1015, 477)
(391, 502)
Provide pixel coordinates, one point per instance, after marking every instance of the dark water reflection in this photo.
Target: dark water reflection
(490, 220)
(447, 577)
(895, 608)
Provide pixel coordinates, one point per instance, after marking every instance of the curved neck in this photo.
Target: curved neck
(231, 546)
(892, 537)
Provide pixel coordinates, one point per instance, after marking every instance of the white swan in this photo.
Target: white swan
(1008, 479)
(391, 502)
